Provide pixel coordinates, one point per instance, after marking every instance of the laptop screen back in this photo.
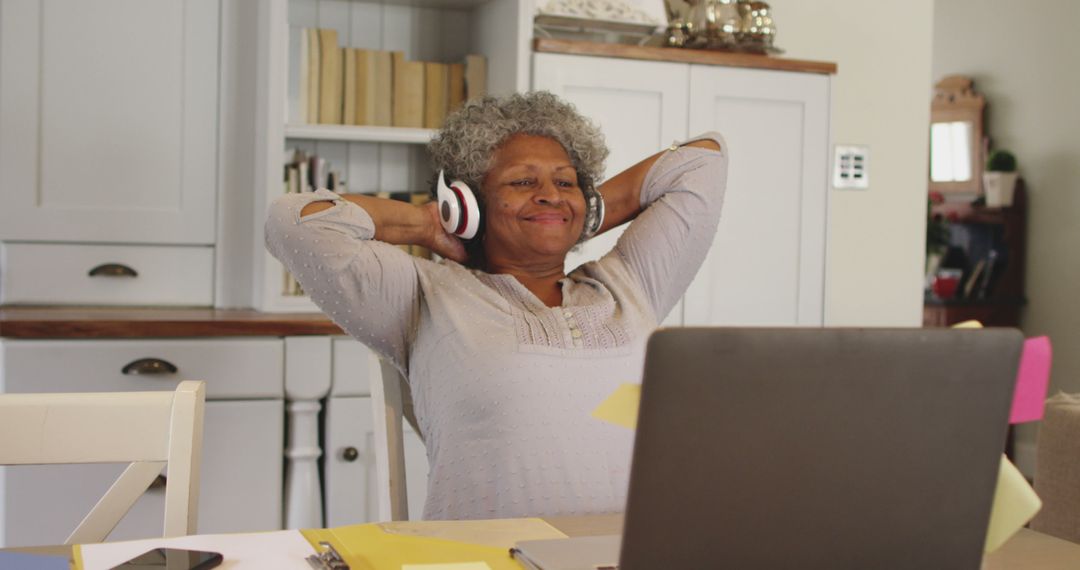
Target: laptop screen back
(812, 448)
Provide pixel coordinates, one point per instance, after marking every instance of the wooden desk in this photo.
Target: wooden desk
(1028, 550)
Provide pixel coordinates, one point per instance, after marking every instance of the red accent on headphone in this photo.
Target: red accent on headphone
(464, 221)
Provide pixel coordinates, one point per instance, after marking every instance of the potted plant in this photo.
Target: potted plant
(937, 237)
(999, 181)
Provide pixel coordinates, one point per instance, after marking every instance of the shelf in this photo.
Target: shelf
(710, 57)
(999, 302)
(349, 133)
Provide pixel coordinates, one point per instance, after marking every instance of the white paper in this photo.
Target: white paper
(281, 550)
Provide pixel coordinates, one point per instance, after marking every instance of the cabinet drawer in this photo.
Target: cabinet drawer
(61, 274)
(232, 368)
(240, 484)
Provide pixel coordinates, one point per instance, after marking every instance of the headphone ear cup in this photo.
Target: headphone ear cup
(594, 218)
(459, 211)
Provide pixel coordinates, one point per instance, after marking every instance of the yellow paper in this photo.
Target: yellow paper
(968, 325)
(368, 547)
(621, 407)
(499, 533)
(1015, 503)
(454, 566)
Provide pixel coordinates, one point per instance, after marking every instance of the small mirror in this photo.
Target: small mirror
(956, 137)
(950, 151)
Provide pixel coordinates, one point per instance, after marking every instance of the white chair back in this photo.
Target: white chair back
(391, 401)
(151, 430)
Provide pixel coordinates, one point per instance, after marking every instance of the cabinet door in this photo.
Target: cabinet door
(349, 452)
(639, 105)
(767, 263)
(240, 484)
(108, 120)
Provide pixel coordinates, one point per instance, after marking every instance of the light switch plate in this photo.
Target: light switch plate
(851, 167)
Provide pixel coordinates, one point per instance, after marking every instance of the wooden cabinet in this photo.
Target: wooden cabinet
(241, 478)
(767, 263)
(991, 292)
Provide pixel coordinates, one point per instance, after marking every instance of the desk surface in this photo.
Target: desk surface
(1028, 550)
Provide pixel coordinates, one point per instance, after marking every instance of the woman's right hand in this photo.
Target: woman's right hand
(440, 241)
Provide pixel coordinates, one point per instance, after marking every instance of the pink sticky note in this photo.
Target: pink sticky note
(1031, 381)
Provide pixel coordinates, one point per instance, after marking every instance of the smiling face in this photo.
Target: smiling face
(534, 208)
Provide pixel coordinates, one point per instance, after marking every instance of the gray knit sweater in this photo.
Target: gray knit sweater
(503, 385)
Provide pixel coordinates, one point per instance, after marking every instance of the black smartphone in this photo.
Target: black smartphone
(172, 559)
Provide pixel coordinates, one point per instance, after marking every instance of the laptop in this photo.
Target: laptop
(810, 448)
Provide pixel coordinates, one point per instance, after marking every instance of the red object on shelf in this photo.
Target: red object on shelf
(945, 285)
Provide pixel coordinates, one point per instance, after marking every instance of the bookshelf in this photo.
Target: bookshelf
(371, 159)
(348, 133)
(977, 230)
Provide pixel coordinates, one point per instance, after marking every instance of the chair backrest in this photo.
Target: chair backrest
(151, 430)
(391, 401)
(1057, 469)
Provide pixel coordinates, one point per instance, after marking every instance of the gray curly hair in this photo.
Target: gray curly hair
(468, 140)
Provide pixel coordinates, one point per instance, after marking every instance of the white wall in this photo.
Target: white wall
(1025, 62)
(881, 98)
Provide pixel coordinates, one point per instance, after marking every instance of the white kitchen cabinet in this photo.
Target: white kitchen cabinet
(243, 438)
(767, 263)
(108, 121)
(78, 274)
(351, 495)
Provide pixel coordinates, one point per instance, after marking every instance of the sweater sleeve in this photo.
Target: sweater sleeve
(681, 200)
(369, 288)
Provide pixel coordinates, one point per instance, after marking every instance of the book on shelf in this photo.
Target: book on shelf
(373, 92)
(436, 94)
(348, 87)
(475, 77)
(332, 84)
(297, 108)
(989, 273)
(455, 86)
(384, 89)
(408, 92)
(330, 78)
(363, 92)
(312, 173)
(973, 279)
(314, 65)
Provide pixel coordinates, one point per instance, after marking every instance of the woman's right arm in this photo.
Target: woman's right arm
(341, 250)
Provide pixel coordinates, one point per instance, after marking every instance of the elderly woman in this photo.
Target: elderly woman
(506, 354)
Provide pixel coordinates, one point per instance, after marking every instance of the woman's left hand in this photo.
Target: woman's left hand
(440, 241)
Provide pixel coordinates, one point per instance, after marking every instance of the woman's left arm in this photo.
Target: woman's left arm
(622, 192)
(674, 198)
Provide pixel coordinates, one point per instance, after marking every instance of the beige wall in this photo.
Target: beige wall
(1024, 59)
(881, 98)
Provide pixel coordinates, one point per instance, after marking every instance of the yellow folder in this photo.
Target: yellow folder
(378, 546)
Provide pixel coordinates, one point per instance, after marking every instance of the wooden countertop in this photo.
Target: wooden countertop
(64, 322)
(710, 57)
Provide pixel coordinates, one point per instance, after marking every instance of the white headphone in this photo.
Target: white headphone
(458, 209)
(594, 216)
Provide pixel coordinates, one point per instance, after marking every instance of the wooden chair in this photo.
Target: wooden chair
(151, 430)
(391, 401)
